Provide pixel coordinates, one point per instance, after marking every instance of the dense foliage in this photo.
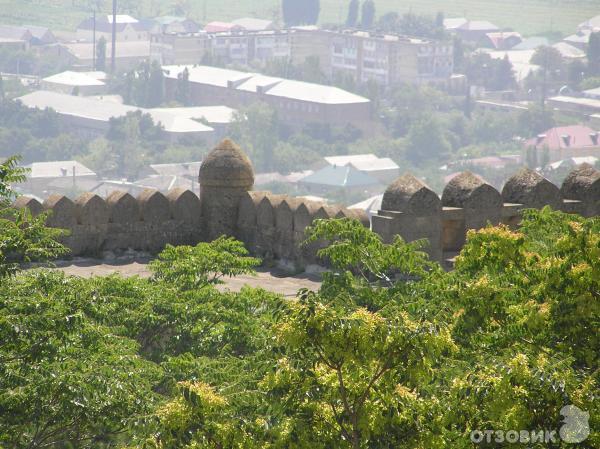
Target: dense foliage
(391, 351)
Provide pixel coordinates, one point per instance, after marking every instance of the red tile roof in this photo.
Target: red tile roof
(576, 136)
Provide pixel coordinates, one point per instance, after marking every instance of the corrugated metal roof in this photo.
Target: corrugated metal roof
(94, 109)
(343, 177)
(273, 86)
(70, 78)
(58, 169)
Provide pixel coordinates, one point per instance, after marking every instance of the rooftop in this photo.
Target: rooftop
(85, 50)
(587, 102)
(342, 177)
(576, 136)
(273, 86)
(363, 162)
(252, 24)
(69, 78)
(58, 169)
(94, 109)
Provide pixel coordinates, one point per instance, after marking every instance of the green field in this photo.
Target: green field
(527, 16)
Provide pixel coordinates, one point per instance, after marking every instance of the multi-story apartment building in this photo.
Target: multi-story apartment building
(386, 59)
(390, 59)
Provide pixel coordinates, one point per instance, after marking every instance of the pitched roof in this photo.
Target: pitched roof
(69, 78)
(104, 23)
(15, 32)
(272, 86)
(85, 50)
(103, 111)
(216, 27)
(454, 23)
(531, 43)
(363, 162)
(591, 23)
(212, 114)
(478, 25)
(252, 24)
(576, 136)
(581, 37)
(498, 39)
(58, 169)
(569, 51)
(335, 176)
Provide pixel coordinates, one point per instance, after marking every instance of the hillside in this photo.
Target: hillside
(526, 16)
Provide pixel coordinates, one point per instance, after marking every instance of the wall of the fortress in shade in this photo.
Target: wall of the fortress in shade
(273, 226)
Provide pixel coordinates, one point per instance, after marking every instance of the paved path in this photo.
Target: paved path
(275, 281)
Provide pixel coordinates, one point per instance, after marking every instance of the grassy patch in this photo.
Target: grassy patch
(527, 16)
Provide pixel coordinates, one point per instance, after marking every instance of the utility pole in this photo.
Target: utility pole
(113, 54)
(94, 39)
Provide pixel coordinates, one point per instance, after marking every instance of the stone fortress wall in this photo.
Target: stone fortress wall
(272, 226)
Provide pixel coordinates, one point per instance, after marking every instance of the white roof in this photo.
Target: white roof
(177, 169)
(581, 37)
(58, 169)
(121, 18)
(363, 162)
(520, 60)
(569, 51)
(93, 109)
(371, 205)
(69, 78)
(252, 24)
(454, 22)
(315, 93)
(213, 76)
(574, 161)
(592, 23)
(277, 87)
(589, 102)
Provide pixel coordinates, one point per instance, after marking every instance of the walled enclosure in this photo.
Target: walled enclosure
(273, 226)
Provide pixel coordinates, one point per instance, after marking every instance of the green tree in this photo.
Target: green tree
(101, 54)
(156, 86)
(183, 89)
(426, 141)
(301, 12)
(504, 77)
(205, 264)
(352, 18)
(368, 14)
(593, 54)
(23, 238)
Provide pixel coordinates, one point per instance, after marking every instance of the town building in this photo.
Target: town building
(592, 24)
(383, 169)
(222, 27)
(502, 40)
(80, 55)
(296, 102)
(33, 35)
(475, 30)
(44, 178)
(390, 59)
(128, 29)
(7, 43)
(566, 142)
(90, 116)
(253, 24)
(579, 105)
(76, 83)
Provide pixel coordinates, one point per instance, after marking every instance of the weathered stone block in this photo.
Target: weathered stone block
(530, 189)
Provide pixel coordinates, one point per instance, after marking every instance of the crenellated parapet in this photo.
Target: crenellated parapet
(413, 211)
(273, 227)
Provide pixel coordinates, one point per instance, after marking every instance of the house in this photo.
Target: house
(453, 23)
(569, 51)
(520, 60)
(383, 169)
(475, 30)
(128, 29)
(58, 176)
(175, 25)
(532, 43)
(220, 27)
(580, 39)
(566, 142)
(296, 102)
(75, 83)
(252, 24)
(33, 35)
(339, 177)
(90, 117)
(7, 43)
(128, 55)
(217, 117)
(502, 40)
(592, 24)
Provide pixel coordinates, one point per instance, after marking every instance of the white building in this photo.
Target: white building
(76, 83)
(128, 29)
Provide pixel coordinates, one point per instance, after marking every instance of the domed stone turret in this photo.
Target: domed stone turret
(225, 175)
(583, 184)
(227, 166)
(531, 189)
(409, 194)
